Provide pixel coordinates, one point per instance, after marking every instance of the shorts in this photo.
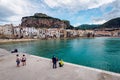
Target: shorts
(18, 62)
(23, 60)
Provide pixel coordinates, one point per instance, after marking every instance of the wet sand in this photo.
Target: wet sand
(39, 68)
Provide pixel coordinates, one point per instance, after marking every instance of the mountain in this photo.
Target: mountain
(87, 27)
(40, 20)
(113, 23)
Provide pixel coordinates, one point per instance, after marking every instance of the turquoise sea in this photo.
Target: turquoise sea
(102, 53)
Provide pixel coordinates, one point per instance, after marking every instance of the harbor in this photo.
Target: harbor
(101, 52)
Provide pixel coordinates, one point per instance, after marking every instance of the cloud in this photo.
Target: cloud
(77, 24)
(73, 7)
(98, 21)
(114, 13)
(76, 5)
(13, 10)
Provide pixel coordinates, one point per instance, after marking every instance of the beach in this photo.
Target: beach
(16, 40)
(39, 68)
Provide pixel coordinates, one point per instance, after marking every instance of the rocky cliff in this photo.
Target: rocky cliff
(40, 20)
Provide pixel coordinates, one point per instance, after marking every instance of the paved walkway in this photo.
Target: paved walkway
(38, 68)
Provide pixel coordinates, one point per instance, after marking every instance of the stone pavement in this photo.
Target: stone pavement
(39, 68)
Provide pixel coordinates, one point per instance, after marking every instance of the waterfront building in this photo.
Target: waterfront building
(7, 31)
(10, 31)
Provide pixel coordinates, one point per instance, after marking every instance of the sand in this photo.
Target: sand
(39, 68)
(16, 40)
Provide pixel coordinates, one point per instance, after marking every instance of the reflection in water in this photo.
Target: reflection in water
(102, 53)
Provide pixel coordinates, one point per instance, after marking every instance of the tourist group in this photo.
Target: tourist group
(18, 60)
(23, 60)
(55, 60)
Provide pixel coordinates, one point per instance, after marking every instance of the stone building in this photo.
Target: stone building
(6, 31)
(18, 32)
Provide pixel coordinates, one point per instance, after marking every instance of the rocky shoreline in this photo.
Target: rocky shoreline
(39, 68)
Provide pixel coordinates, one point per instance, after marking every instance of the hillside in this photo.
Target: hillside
(87, 27)
(40, 20)
(113, 23)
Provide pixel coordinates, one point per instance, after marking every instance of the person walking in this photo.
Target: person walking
(18, 60)
(54, 61)
(23, 60)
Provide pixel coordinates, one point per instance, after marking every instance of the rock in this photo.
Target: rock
(40, 20)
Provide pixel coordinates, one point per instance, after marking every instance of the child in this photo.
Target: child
(18, 60)
(23, 60)
(61, 63)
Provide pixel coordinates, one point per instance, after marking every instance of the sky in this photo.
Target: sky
(76, 11)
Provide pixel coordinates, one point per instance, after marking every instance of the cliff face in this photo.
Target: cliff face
(40, 20)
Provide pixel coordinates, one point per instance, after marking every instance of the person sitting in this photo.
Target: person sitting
(61, 63)
(14, 51)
